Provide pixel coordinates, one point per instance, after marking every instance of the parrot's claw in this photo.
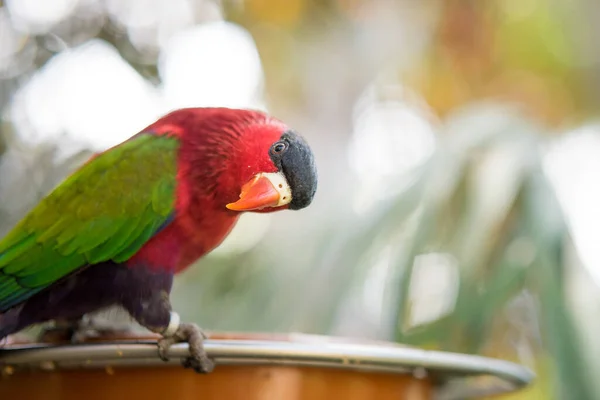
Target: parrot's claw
(163, 347)
(193, 335)
(201, 366)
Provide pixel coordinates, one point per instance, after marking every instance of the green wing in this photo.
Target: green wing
(105, 211)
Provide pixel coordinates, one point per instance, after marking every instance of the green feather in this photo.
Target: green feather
(119, 240)
(137, 241)
(16, 250)
(105, 211)
(8, 283)
(48, 275)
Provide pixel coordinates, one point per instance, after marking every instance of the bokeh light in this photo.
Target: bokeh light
(212, 64)
(88, 96)
(572, 164)
(391, 138)
(434, 287)
(38, 16)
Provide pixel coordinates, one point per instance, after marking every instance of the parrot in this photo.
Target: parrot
(117, 230)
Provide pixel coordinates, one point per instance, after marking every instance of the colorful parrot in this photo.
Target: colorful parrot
(120, 227)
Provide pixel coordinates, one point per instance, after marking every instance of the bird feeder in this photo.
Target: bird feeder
(251, 367)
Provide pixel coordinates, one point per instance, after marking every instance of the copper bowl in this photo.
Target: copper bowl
(251, 367)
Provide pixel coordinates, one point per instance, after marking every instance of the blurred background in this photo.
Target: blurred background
(457, 141)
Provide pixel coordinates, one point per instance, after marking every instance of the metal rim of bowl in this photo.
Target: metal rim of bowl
(453, 373)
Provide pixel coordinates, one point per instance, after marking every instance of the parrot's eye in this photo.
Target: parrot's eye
(279, 148)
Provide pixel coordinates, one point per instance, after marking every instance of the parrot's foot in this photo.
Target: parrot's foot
(190, 333)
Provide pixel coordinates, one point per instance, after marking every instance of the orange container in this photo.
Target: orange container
(251, 367)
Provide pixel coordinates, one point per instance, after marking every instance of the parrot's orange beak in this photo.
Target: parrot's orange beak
(263, 190)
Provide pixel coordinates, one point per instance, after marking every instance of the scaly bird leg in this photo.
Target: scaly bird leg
(181, 332)
(154, 313)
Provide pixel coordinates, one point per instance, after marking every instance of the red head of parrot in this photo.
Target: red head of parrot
(258, 162)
